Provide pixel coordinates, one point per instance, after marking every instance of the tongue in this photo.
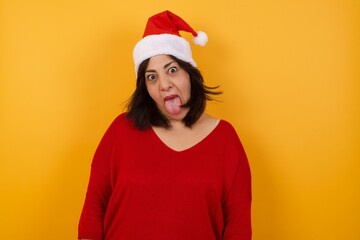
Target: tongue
(173, 105)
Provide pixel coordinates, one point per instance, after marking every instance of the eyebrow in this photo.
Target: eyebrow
(168, 64)
(165, 66)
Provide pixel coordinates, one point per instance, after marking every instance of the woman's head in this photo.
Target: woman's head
(186, 96)
(147, 110)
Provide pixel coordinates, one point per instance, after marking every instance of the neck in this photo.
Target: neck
(180, 125)
(176, 124)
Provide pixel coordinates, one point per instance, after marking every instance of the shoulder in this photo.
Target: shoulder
(227, 132)
(122, 121)
(235, 151)
(120, 126)
(226, 125)
(227, 128)
(221, 127)
(121, 118)
(221, 123)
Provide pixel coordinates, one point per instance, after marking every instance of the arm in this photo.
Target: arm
(91, 224)
(92, 217)
(237, 207)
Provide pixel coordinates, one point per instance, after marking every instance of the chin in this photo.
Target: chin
(178, 117)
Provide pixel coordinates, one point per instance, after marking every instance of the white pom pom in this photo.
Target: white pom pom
(201, 39)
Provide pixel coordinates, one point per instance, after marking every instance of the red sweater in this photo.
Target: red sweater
(141, 189)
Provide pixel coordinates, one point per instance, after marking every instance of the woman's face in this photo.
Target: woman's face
(168, 85)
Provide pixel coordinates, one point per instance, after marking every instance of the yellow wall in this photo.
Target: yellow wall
(289, 70)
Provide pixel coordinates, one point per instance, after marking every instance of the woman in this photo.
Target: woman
(165, 169)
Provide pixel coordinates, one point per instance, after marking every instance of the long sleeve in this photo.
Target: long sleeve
(92, 217)
(91, 224)
(237, 206)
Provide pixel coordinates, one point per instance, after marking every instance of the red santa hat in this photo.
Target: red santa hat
(162, 36)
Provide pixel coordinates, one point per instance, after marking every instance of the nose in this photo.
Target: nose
(164, 83)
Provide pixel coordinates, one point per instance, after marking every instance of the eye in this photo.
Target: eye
(151, 77)
(172, 70)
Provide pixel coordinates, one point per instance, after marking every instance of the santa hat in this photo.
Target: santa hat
(162, 36)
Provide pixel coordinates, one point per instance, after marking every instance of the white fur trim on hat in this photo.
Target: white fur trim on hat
(169, 44)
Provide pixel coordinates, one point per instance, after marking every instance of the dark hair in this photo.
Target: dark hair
(144, 112)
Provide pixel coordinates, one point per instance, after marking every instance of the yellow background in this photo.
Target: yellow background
(290, 75)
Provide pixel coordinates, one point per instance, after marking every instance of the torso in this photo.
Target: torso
(179, 137)
(154, 192)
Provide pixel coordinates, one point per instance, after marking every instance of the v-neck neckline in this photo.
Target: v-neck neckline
(194, 146)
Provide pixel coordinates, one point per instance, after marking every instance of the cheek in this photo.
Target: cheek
(152, 91)
(188, 84)
(187, 88)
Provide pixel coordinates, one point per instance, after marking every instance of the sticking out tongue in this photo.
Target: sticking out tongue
(173, 105)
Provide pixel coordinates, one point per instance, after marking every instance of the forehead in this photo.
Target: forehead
(159, 61)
